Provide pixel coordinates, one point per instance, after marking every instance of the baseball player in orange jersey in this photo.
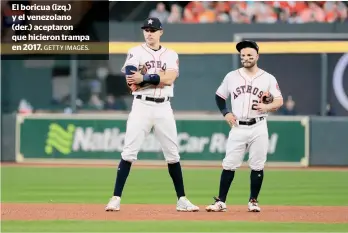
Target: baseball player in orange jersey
(254, 92)
(151, 70)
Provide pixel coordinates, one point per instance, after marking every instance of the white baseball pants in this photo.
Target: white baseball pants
(242, 139)
(144, 116)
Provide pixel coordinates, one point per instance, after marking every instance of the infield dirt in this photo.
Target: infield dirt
(132, 212)
(143, 212)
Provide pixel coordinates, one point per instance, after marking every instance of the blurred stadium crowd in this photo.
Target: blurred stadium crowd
(253, 12)
(101, 90)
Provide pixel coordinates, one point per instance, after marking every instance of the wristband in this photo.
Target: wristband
(224, 112)
(151, 78)
(129, 69)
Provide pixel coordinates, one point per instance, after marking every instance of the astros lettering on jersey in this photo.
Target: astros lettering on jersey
(246, 91)
(163, 59)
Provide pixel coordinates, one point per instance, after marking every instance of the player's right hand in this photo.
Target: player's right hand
(135, 78)
(231, 119)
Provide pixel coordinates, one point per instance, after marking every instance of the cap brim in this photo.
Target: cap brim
(245, 44)
(144, 27)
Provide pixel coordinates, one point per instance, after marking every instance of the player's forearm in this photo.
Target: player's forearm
(162, 78)
(221, 103)
(275, 105)
(167, 78)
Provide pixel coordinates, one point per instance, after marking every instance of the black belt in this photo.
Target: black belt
(156, 100)
(252, 121)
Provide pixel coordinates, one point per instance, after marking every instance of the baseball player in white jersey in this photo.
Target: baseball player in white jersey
(151, 70)
(253, 92)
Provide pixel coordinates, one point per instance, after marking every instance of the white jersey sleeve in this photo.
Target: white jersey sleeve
(173, 62)
(222, 91)
(132, 59)
(274, 88)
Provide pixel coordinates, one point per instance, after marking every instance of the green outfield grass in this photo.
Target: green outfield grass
(166, 226)
(95, 185)
(154, 186)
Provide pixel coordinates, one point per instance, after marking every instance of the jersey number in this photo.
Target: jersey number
(255, 102)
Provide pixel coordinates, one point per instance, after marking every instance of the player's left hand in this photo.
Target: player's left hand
(135, 78)
(263, 108)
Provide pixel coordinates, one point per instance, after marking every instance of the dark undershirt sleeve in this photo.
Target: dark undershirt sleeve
(221, 103)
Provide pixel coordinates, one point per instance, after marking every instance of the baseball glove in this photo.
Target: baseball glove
(140, 86)
(266, 98)
(143, 86)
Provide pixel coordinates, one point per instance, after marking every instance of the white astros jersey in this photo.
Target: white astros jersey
(155, 61)
(246, 91)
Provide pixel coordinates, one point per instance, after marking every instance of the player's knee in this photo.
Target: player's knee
(256, 167)
(129, 157)
(171, 155)
(172, 159)
(230, 166)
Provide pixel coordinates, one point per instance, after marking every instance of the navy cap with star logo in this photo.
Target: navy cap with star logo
(247, 44)
(153, 23)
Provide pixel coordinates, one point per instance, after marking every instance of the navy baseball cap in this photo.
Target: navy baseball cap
(153, 23)
(247, 44)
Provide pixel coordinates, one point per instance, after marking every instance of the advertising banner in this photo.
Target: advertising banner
(198, 139)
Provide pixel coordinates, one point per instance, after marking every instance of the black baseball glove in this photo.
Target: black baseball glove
(266, 98)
